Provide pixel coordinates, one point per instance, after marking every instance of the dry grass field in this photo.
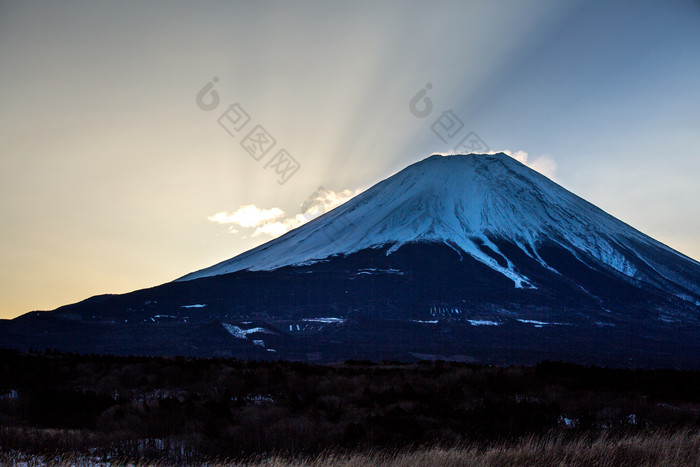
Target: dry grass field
(654, 448)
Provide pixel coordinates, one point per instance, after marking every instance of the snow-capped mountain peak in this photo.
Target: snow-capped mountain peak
(468, 202)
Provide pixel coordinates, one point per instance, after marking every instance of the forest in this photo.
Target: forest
(185, 410)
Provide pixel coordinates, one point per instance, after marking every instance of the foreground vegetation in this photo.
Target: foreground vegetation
(179, 411)
(681, 448)
(650, 449)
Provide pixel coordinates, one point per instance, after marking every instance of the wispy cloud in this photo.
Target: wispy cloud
(544, 164)
(274, 221)
(323, 200)
(247, 216)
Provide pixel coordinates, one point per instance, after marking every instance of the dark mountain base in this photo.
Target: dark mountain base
(424, 301)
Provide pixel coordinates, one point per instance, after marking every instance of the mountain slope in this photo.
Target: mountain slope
(467, 201)
(473, 258)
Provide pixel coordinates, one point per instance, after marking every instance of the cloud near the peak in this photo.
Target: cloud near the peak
(543, 164)
(323, 200)
(247, 216)
(274, 221)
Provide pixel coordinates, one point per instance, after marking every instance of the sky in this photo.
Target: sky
(141, 141)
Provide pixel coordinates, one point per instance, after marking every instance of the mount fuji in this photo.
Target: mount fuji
(472, 257)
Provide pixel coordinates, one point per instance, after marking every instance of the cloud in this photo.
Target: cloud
(323, 200)
(247, 216)
(543, 164)
(280, 227)
(274, 221)
(274, 229)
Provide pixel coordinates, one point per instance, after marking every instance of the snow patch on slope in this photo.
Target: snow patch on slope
(235, 331)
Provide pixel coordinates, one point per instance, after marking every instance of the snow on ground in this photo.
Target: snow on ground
(11, 394)
(325, 320)
(482, 322)
(567, 422)
(235, 331)
(539, 324)
(532, 321)
(379, 271)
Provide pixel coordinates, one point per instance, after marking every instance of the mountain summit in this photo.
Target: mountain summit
(468, 257)
(471, 203)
